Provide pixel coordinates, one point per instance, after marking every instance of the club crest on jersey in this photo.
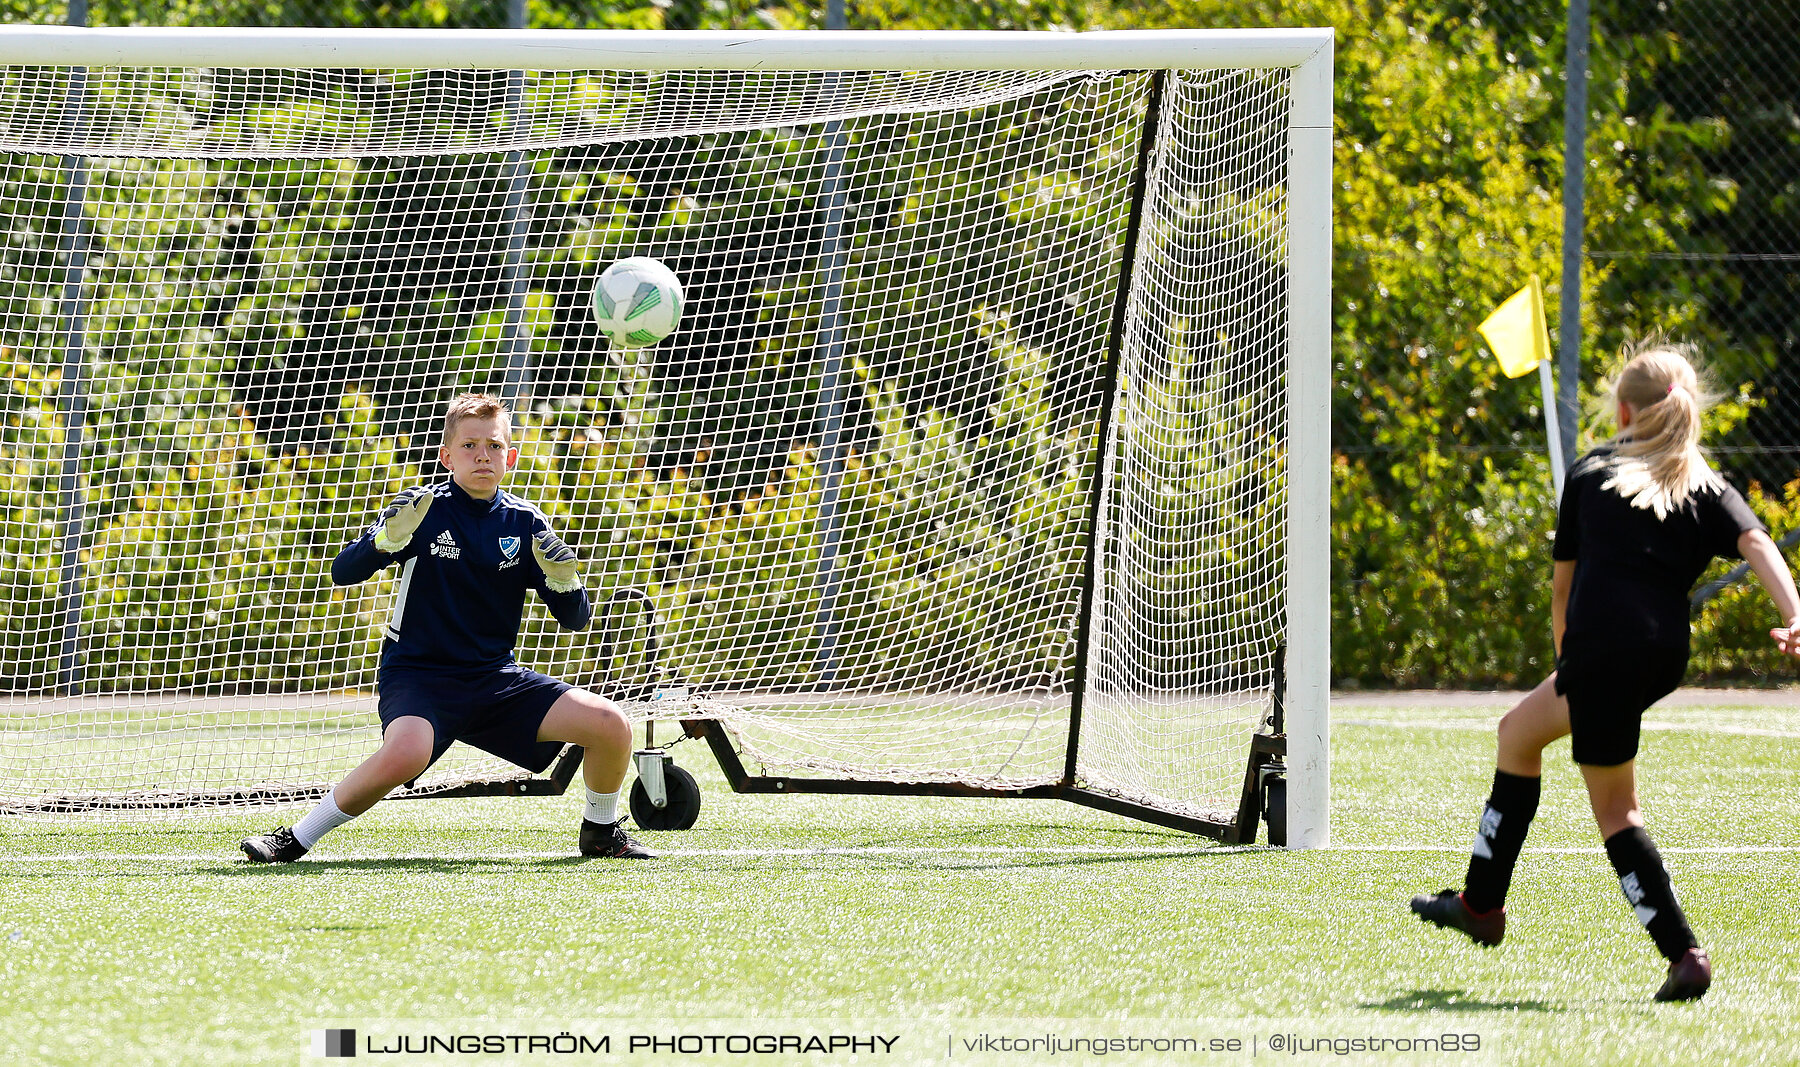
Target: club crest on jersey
(509, 547)
(446, 546)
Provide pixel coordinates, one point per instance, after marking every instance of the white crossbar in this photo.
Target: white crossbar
(139, 46)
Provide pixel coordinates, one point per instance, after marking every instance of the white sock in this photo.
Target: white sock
(320, 821)
(602, 807)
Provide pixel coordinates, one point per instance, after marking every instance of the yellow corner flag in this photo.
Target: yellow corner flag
(1516, 331)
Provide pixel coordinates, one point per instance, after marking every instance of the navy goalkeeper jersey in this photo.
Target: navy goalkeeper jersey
(463, 577)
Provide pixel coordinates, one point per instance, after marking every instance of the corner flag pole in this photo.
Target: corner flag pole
(1517, 334)
(1548, 389)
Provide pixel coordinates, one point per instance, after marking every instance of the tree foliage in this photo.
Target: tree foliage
(1448, 166)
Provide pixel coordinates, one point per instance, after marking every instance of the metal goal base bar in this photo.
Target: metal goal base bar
(1239, 829)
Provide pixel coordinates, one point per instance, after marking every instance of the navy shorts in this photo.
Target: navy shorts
(496, 711)
(1608, 692)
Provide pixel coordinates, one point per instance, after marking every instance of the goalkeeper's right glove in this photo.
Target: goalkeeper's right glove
(401, 518)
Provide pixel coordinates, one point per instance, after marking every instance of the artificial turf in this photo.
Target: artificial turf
(940, 923)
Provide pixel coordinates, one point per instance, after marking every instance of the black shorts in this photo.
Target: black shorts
(496, 711)
(1608, 690)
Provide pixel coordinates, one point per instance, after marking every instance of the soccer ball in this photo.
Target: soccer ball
(637, 302)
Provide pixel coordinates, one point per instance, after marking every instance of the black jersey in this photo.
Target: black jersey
(463, 579)
(1633, 571)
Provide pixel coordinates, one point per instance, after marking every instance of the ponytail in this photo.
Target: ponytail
(1658, 464)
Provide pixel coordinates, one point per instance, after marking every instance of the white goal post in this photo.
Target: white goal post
(991, 456)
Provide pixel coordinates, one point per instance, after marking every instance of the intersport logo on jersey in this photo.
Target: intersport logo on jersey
(446, 546)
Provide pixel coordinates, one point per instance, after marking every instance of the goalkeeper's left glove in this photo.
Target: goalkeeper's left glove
(562, 571)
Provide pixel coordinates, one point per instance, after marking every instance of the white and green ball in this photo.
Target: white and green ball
(637, 302)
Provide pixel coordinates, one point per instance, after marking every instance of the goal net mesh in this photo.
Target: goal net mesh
(862, 484)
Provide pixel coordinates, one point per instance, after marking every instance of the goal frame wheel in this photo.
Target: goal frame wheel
(680, 794)
(1275, 808)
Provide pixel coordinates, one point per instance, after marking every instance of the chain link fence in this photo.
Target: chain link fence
(1722, 71)
(1699, 96)
(1692, 226)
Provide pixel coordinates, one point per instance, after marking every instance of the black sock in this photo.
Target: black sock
(1646, 884)
(1510, 808)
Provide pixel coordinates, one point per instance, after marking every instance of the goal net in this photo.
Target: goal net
(969, 462)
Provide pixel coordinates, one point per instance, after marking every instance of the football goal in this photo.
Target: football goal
(989, 457)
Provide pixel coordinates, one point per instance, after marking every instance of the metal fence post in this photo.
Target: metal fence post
(834, 384)
(1575, 107)
(514, 278)
(72, 396)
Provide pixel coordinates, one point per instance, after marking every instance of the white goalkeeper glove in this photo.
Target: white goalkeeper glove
(401, 518)
(562, 571)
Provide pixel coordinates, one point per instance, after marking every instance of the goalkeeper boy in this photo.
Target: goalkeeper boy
(468, 551)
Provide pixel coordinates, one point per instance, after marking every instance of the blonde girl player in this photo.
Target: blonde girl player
(1641, 517)
(468, 552)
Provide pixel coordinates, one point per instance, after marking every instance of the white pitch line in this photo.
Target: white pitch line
(872, 850)
(1706, 850)
(1488, 727)
(1148, 851)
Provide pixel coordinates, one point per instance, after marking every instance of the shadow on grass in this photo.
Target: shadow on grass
(1156, 841)
(986, 863)
(924, 861)
(1110, 835)
(942, 856)
(422, 864)
(971, 849)
(1454, 1000)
